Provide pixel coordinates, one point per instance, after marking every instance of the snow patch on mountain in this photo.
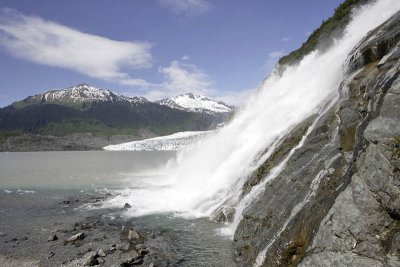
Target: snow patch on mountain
(86, 93)
(176, 141)
(196, 103)
(79, 93)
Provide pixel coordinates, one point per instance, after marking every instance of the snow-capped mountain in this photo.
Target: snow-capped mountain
(85, 93)
(85, 108)
(79, 93)
(78, 96)
(196, 103)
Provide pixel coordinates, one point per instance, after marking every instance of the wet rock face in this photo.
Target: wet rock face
(377, 46)
(337, 200)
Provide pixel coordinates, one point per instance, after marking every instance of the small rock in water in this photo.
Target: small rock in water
(52, 238)
(101, 253)
(134, 255)
(139, 246)
(180, 261)
(127, 206)
(141, 249)
(66, 201)
(131, 258)
(127, 247)
(51, 254)
(90, 258)
(138, 262)
(133, 235)
(76, 237)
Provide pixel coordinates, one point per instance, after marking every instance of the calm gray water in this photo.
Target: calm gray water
(47, 173)
(76, 170)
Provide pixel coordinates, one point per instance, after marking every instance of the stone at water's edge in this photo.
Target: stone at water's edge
(52, 238)
(337, 202)
(76, 237)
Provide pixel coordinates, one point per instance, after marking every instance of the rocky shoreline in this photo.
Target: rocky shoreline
(62, 234)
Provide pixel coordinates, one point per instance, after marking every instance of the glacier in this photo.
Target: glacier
(176, 141)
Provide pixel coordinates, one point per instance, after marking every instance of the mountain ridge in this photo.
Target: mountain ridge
(80, 94)
(196, 103)
(86, 109)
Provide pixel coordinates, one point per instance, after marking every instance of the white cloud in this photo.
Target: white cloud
(187, 7)
(180, 78)
(49, 43)
(185, 57)
(286, 39)
(272, 59)
(308, 33)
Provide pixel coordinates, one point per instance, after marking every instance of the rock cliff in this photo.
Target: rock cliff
(337, 200)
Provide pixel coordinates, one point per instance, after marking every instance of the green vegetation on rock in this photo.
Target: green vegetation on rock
(337, 22)
(67, 127)
(31, 100)
(4, 135)
(96, 128)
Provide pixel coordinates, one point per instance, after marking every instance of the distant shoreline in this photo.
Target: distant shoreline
(90, 142)
(74, 142)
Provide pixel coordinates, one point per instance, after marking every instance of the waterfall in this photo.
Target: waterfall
(210, 174)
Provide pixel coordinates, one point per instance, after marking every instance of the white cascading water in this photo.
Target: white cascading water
(210, 174)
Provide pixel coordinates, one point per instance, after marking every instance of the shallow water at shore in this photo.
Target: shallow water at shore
(32, 186)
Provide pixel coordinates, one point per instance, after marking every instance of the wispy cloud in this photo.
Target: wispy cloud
(49, 43)
(183, 77)
(187, 7)
(180, 78)
(185, 57)
(286, 39)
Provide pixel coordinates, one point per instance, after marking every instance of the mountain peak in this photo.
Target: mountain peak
(78, 94)
(82, 85)
(82, 93)
(190, 95)
(196, 103)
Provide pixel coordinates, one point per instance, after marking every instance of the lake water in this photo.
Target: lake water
(76, 170)
(196, 240)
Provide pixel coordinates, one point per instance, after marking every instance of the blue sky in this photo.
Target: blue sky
(154, 48)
